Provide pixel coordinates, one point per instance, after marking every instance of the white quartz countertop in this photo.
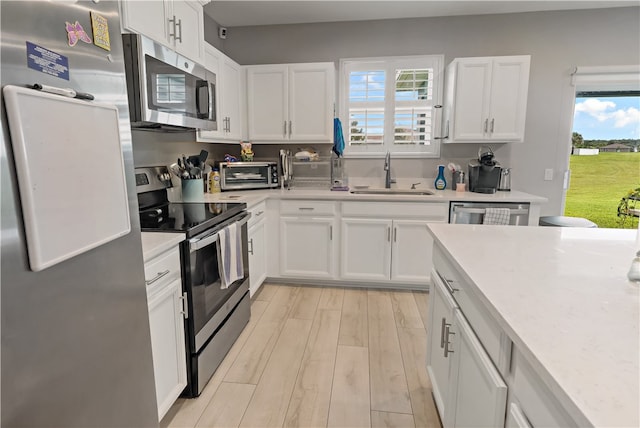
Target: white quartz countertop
(252, 197)
(563, 297)
(156, 243)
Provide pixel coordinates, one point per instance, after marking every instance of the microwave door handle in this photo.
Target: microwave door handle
(202, 85)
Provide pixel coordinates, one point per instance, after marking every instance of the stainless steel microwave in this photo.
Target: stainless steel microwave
(165, 88)
(248, 175)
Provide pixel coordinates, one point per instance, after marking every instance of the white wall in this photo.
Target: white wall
(557, 42)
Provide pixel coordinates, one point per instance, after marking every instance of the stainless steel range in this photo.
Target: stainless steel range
(216, 315)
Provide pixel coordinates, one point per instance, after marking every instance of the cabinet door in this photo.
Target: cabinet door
(213, 60)
(306, 247)
(231, 92)
(257, 257)
(509, 87)
(479, 394)
(366, 249)
(267, 103)
(148, 18)
(441, 314)
(412, 249)
(189, 37)
(471, 99)
(311, 98)
(166, 324)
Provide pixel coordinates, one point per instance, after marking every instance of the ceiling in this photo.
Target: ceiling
(235, 13)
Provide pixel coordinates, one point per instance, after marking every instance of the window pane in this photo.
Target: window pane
(366, 86)
(412, 126)
(414, 84)
(366, 126)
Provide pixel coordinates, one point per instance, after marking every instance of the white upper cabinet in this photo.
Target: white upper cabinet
(229, 95)
(291, 102)
(486, 99)
(178, 24)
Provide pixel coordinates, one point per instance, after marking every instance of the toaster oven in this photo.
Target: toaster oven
(248, 175)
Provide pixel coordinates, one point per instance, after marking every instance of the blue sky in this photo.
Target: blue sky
(607, 118)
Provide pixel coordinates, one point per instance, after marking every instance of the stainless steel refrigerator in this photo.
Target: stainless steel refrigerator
(76, 348)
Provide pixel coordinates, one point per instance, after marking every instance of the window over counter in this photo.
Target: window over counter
(389, 104)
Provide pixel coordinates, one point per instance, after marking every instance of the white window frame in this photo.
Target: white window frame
(390, 64)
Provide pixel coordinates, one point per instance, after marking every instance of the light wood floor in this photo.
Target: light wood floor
(321, 357)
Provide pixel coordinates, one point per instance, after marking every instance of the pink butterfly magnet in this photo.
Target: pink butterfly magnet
(75, 32)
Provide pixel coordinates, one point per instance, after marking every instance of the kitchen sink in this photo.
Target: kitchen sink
(391, 192)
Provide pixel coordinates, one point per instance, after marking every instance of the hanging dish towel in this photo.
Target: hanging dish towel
(338, 137)
(230, 255)
(496, 216)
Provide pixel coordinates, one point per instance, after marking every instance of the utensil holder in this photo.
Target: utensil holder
(193, 190)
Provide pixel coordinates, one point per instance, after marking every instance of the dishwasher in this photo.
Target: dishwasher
(473, 212)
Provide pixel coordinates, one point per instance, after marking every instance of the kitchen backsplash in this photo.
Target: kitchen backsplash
(152, 148)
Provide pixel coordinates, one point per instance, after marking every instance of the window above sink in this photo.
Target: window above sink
(391, 104)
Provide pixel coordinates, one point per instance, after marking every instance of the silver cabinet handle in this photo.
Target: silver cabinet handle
(492, 122)
(228, 124)
(251, 246)
(388, 234)
(259, 213)
(395, 234)
(185, 305)
(290, 132)
(173, 21)
(447, 333)
(306, 208)
(330, 233)
(160, 275)
(179, 25)
(450, 287)
(285, 129)
(486, 123)
(444, 321)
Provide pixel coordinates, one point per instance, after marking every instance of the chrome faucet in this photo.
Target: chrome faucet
(387, 169)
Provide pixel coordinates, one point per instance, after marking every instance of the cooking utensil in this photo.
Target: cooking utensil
(176, 169)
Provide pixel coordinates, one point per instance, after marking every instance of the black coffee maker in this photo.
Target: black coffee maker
(484, 172)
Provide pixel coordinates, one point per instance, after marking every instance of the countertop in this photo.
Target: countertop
(563, 297)
(156, 243)
(252, 197)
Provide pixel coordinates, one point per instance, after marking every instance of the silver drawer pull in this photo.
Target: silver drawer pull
(451, 288)
(259, 213)
(444, 321)
(306, 208)
(160, 275)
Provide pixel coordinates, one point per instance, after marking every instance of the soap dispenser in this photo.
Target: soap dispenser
(440, 183)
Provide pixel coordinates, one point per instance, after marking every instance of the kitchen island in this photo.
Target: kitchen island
(561, 298)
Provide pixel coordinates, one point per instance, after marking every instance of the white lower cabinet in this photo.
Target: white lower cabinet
(366, 249)
(467, 387)
(307, 244)
(388, 242)
(166, 323)
(441, 312)
(257, 248)
(478, 393)
(537, 405)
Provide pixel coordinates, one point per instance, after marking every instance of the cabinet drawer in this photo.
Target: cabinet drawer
(493, 339)
(311, 208)
(538, 405)
(162, 269)
(422, 211)
(258, 213)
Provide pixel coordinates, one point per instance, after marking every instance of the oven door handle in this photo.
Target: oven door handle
(197, 243)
